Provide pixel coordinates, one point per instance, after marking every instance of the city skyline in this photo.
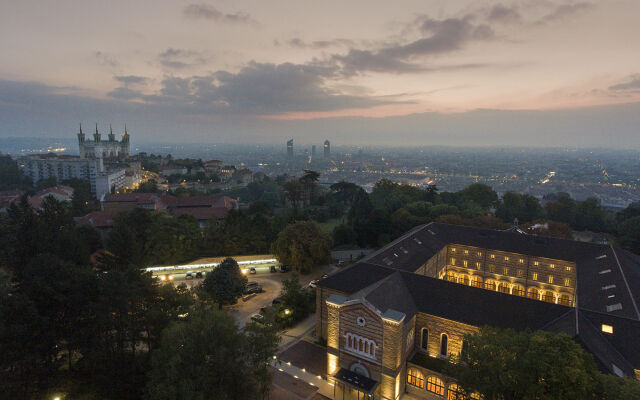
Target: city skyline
(554, 73)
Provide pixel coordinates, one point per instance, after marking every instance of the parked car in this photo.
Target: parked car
(284, 268)
(276, 301)
(166, 277)
(340, 262)
(253, 287)
(199, 274)
(189, 275)
(259, 318)
(272, 268)
(252, 270)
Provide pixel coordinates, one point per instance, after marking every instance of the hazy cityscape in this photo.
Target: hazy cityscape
(286, 200)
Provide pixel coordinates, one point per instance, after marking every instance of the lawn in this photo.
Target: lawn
(330, 224)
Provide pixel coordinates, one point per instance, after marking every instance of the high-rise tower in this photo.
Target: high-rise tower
(290, 148)
(327, 149)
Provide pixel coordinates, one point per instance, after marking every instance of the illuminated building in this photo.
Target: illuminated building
(327, 149)
(391, 320)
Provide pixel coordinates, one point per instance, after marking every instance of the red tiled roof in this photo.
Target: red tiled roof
(99, 219)
(11, 193)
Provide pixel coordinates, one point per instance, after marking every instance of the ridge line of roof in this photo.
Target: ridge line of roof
(394, 242)
(633, 300)
(558, 318)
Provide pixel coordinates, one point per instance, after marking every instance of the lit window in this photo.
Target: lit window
(479, 254)
(519, 273)
(518, 291)
(552, 266)
(493, 256)
(453, 261)
(522, 261)
(464, 280)
(415, 378)
(476, 281)
(535, 276)
(533, 293)
(451, 277)
(435, 385)
(466, 252)
(548, 297)
(568, 268)
(550, 278)
(455, 393)
(567, 281)
(503, 288)
(492, 269)
(477, 265)
(453, 249)
(536, 263)
(465, 263)
(506, 258)
(607, 328)
(490, 285)
(506, 271)
(565, 300)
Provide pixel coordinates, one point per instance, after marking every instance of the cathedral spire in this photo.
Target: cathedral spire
(96, 128)
(80, 127)
(110, 130)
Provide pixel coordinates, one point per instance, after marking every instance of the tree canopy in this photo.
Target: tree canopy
(226, 283)
(303, 245)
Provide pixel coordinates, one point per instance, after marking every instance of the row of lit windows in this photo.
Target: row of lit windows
(436, 385)
(519, 272)
(517, 290)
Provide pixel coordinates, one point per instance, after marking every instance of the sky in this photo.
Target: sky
(407, 72)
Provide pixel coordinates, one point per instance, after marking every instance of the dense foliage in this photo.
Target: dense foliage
(225, 284)
(505, 364)
(303, 245)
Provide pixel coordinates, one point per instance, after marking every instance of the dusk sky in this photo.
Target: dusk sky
(455, 72)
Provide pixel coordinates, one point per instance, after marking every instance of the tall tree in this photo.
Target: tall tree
(303, 245)
(226, 283)
(505, 364)
(208, 357)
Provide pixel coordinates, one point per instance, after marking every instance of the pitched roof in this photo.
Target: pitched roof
(99, 219)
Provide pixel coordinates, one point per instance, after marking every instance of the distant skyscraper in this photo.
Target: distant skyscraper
(290, 148)
(313, 150)
(327, 149)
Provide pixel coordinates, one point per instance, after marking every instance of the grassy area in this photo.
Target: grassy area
(330, 224)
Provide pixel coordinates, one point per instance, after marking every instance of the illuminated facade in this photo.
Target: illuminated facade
(105, 149)
(391, 320)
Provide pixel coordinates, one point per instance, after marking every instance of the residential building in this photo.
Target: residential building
(213, 166)
(391, 320)
(169, 170)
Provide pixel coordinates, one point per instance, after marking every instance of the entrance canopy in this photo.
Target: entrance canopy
(356, 381)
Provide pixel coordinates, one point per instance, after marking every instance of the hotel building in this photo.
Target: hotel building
(391, 320)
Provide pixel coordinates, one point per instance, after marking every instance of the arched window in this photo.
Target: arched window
(451, 277)
(435, 385)
(533, 293)
(475, 396)
(565, 300)
(476, 281)
(455, 392)
(490, 285)
(518, 291)
(424, 343)
(350, 341)
(444, 345)
(503, 288)
(464, 279)
(548, 297)
(415, 378)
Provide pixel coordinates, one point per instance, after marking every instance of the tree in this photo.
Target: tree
(344, 235)
(505, 364)
(294, 193)
(629, 234)
(303, 245)
(522, 206)
(480, 194)
(208, 357)
(298, 300)
(562, 210)
(226, 283)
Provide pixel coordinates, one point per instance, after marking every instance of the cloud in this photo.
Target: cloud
(565, 11)
(209, 12)
(131, 79)
(632, 84)
(125, 93)
(180, 58)
(106, 59)
(438, 37)
(319, 44)
(502, 13)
